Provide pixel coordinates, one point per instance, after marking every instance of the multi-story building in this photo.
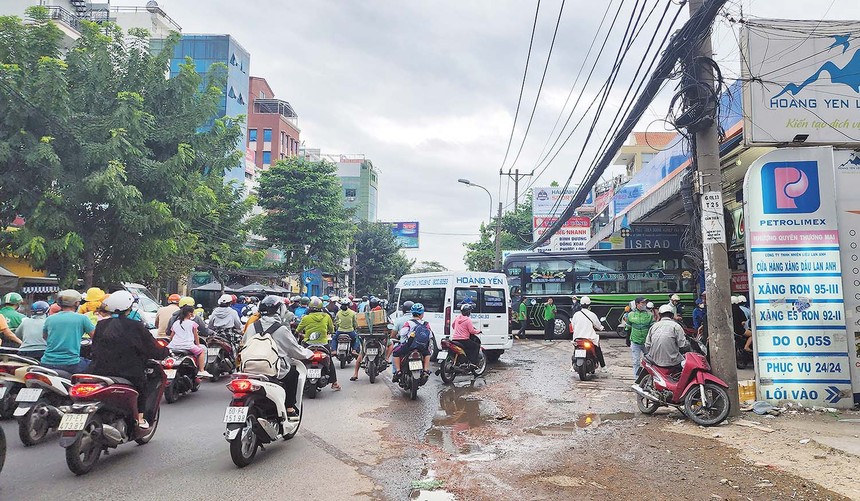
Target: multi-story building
(641, 147)
(273, 126)
(359, 180)
(206, 50)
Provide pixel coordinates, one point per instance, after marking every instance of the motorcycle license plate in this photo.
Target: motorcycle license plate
(236, 415)
(170, 373)
(415, 365)
(342, 346)
(213, 352)
(29, 395)
(314, 373)
(73, 422)
(373, 351)
(3, 391)
(579, 354)
(442, 356)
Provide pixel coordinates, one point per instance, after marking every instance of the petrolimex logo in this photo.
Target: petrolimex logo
(790, 187)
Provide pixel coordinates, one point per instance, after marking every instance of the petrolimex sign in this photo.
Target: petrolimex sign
(802, 78)
(795, 278)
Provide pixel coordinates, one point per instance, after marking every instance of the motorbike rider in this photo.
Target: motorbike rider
(345, 322)
(399, 322)
(302, 309)
(362, 306)
(316, 320)
(202, 330)
(333, 306)
(677, 307)
(224, 318)
(184, 335)
(8, 334)
(586, 325)
(406, 345)
(638, 322)
(30, 332)
(11, 317)
(63, 332)
(165, 312)
(374, 304)
(463, 330)
(122, 346)
(271, 310)
(294, 303)
(666, 341)
(92, 302)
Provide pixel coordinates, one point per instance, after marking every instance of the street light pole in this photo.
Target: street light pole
(469, 183)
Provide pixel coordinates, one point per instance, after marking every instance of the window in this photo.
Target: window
(350, 192)
(654, 263)
(252, 135)
(432, 299)
(493, 301)
(267, 135)
(461, 295)
(267, 157)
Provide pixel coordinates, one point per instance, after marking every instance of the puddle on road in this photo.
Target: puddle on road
(589, 420)
(458, 413)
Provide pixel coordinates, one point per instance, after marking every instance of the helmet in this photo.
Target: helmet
(374, 302)
(40, 307)
(270, 305)
(225, 300)
(364, 298)
(187, 301)
(742, 299)
(649, 305)
(315, 303)
(585, 301)
(417, 309)
(345, 302)
(335, 299)
(68, 297)
(326, 298)
(118, 302)
(407, 306)
(665, 309)
(734, 300)
(466, 308)
(255, 300)
(304, 300)
(12, 298)
(675, 297)
(94, 294)
(295, 299)
(174, 298)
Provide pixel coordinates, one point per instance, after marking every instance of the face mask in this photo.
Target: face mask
(641, 307)
(702, 306)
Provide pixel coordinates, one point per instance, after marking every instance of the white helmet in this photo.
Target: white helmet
(665, 309)
(734, 300)
(585, 301)
(68, 297)
(649, 305)
(675, 297)
(118, 302)
(742, 299)
(334, 299)
(225, 300)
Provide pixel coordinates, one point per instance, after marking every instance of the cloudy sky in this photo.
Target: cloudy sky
(428, 89)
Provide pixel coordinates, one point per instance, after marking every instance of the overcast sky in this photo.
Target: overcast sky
(428, 89)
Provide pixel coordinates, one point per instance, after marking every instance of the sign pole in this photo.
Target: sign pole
(498, 240)
(720, 326)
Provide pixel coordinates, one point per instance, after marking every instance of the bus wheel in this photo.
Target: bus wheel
(561, 329)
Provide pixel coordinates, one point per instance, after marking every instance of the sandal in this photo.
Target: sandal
(336, 387)
(354, 378)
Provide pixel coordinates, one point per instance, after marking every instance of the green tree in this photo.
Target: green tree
(428, 266)
(305, 216)
(516, 234)
(102, 155)
(379, 263)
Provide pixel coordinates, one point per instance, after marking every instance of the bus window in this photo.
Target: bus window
(432, 299)
(461, 295)
(655, 263)
(493, 301)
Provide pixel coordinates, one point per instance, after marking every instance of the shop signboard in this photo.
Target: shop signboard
(406, 233)
(795, 278)
(551, 200)
(802, 82)
(572, 237)
(655, 236)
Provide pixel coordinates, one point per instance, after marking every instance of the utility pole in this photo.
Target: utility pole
(516, 177)
(720, 327)
(498, 240)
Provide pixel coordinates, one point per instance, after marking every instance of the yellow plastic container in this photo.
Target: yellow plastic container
(746, 390)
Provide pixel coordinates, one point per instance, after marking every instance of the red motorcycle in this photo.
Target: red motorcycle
(695, 391)
(103, 415)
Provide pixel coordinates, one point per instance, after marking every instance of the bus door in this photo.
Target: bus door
(490, 315)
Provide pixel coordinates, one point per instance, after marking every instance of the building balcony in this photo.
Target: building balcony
(160, 20)
(276, 106)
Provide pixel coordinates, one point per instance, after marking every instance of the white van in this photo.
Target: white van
(442, 292)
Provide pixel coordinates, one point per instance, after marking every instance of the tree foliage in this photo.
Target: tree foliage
(379, 262)
(305, 216)
(428, 267)
(104, 158)
(516, 234)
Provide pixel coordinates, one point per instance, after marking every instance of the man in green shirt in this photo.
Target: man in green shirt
(522, 318)
(549, 310)
(10, 312)
(639, 321)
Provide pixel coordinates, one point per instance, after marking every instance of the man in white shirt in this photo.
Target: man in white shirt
(585, 326)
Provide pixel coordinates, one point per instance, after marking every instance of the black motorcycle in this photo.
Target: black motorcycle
(181, 371)
(584, 359)
(744, 358)
(221, 348)
(453, 361)
(412, 375)
(344, 350)
(373, 355)
(318, 366)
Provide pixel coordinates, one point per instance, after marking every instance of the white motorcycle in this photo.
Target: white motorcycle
(257, 414)
(39, 403)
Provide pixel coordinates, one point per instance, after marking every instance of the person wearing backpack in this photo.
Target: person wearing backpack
(417, 335)
(269, 345)
(320, 322)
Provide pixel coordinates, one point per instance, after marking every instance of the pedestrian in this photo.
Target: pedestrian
(549, 311)
(522, 317)
(699, 314)
(638, 322)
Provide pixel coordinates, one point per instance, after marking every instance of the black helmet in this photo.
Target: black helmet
(466, 308)
(270, 305)
(406, 307)
(304, 300)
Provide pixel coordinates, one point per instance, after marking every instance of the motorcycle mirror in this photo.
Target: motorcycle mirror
(602, 319)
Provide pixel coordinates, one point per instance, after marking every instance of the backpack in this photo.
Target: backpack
(420, 335)
(260, 353)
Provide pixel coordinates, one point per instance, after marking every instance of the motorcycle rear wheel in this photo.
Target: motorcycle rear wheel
(83, 455)
(342, 362)
(293, 434)
(715, 413)
(33, 429)
(243, 448)
(169, 393)
(8, 404)
(647, 406)
(311, 391)
(371, 371)
(583, 375)
(446, 370)
(413, 394)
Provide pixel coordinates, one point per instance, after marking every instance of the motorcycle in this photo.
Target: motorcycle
(584, 359)
(743, 357)
(453, 361)
(103, 415)
(257, 414)
(39, 403)
(412, 375)
(221, 348)
(318, 376)
(13, 368)
(344, 350)
(696, 391)
(180, 369)
(373, 358)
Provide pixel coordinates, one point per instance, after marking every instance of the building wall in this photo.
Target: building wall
(360, 188)
(284, 135)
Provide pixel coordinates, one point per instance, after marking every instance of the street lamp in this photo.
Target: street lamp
(469, 183)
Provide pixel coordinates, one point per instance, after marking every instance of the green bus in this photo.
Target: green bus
(611, 278)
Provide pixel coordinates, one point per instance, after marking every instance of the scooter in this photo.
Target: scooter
(257, 413)
(13, 368)
(344, 350)
(453, 361)
(373, 357)
(180, 369)
(584, 359)
(318, 376)
(696, 391)
(221, 348)
(103, 415)
(412, 375)
(39, 403)
(743, 357)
